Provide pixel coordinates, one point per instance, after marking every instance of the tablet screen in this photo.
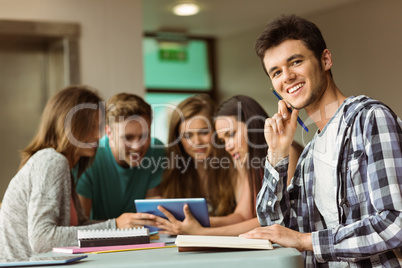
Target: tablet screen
(198, 207)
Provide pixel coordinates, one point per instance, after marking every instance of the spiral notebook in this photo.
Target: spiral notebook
(113, 237)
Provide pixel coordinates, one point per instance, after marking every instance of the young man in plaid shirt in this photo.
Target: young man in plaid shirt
(343, 207)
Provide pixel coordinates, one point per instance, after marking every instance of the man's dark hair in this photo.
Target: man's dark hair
(290, 27)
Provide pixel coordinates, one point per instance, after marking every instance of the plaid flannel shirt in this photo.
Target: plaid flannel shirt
(369, 192)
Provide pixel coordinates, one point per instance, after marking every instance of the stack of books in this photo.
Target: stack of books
(103, 241)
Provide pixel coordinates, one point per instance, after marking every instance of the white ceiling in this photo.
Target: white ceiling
(219, 18)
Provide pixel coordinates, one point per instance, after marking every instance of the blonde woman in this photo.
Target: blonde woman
(40, 208)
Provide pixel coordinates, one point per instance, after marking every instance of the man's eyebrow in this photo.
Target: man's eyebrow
(135, 135)
(295, 56)
(272, 69)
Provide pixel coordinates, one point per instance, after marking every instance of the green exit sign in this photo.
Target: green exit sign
(173, 55)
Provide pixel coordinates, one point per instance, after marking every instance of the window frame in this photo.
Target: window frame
(210, 41)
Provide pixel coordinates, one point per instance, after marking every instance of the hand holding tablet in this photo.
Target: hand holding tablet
(197, 206)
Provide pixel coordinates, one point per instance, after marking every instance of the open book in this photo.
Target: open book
(201, 242)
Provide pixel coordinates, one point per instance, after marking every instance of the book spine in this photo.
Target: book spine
(113, 241)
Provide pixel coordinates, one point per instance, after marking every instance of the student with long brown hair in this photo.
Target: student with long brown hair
(240, 125)
(40, 208)
(198, 170)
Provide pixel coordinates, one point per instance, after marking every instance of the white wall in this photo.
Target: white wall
(110, 43)
(364, 38)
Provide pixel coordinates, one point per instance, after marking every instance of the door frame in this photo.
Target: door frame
(60, 35)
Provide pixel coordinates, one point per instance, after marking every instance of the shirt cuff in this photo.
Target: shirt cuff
(280, 170)
(280, 165)
(283, 162)
(112, 223)
(323, 245)
(273, 186)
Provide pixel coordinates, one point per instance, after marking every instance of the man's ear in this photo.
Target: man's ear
(326, 60)
(109, 133)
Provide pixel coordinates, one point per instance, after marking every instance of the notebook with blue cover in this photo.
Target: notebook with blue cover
(42, 260)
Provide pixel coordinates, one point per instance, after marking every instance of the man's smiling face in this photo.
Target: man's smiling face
(296, 73)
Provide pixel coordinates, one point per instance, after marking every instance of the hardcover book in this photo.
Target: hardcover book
(200, 242)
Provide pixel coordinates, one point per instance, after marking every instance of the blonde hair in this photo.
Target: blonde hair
(54, 130)
(185, 182)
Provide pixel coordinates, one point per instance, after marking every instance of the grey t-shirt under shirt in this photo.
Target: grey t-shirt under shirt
(325, 175)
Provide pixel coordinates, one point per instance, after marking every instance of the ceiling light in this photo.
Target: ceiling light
(186, 9)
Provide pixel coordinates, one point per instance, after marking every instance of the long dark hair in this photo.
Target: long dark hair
(250, 112)
(184, 182)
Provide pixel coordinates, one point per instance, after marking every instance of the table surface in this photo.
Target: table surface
(170, 257)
